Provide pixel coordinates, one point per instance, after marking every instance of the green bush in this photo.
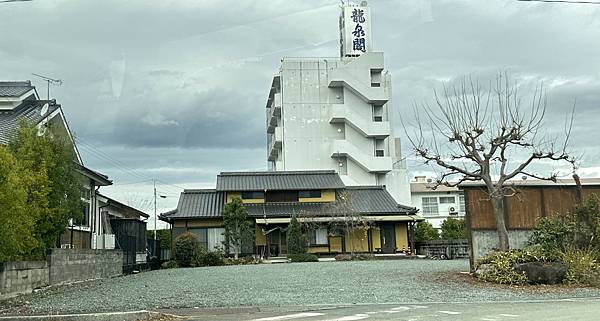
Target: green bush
(303, 257)
(583, 268)
(169, 265)
(355, 257)
(453, 229)
(553, 235)
(185, 248)
(425, 232)
(502, 265)
(241, 261)
(207, 258)
(295, 239)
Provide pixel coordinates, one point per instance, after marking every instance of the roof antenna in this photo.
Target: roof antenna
(49, 81)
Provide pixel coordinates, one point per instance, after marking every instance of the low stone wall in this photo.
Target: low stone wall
(62, 266)
(22, 277)
(450, 249)
(484, 242)
(70, 265)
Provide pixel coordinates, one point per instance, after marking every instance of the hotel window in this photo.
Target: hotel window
(310, 194)
(318, 237)
(430, 205)
(253, 195)
(447, 200)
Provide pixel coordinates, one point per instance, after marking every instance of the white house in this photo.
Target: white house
(436, 205)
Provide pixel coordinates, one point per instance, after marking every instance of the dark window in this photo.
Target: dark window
(201, 235)
(309, 194)
(375, 84)
(379, 153)
(378, 119)
(176, 232)
(85, 212)
(447, 200)
(282, 196)
(253, 195)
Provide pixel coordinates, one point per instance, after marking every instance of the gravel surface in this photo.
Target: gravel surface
(397, 281)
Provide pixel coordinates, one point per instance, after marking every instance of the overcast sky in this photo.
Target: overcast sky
(176, 90)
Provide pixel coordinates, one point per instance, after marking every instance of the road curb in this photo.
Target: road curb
(108, 316)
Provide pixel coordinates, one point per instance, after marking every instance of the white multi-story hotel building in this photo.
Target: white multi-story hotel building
(337, 113)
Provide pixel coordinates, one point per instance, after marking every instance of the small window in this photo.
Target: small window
(461, 200)
(318, 237)
(375, 84)
(379, 153)
(378, 119)
(310, 194)
(447, 200)
(430, 205)
(85, 212)
(253, 195)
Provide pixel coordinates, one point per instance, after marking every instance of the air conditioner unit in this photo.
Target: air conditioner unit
(452, 210)
(66, 246)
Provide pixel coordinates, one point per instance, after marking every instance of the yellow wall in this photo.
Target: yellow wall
(318, 249)
(335, 244)
(232, 195)
(208, 222)
(401, 236)
(260, 238)
(376, 237)
(360, 241)
(326, 196)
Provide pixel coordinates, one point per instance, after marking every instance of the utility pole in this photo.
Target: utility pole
(154, 181)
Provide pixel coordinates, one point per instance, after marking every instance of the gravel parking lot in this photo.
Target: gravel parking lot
(398, 281)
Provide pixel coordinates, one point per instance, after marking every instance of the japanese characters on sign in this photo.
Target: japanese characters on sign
(356, 31)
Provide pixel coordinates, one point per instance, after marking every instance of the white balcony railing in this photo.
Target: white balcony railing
(365, 159)
(368, 128)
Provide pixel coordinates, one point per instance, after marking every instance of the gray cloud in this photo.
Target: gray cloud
(174, 89)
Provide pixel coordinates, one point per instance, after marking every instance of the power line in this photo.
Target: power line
(562, 1)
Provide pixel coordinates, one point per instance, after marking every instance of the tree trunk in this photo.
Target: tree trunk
(499, 214)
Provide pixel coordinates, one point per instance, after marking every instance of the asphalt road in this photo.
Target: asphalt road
(565, 309)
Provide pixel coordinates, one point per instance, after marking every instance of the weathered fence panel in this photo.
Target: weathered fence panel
(448, 249)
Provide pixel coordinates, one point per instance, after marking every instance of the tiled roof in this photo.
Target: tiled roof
(539, 183)
(280, 180)
(30, 110)
(368, 200)
(197, 203)
(375, 200)
(14, 88)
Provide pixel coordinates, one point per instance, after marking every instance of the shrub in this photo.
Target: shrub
(241, 261)
(453, 229)
(583, 268)
(502, 266)
(295, 239)
(355, 257)
(207, 258)
(343, 257)
(553, 235)
(425, 232)
(169, 265)
(303, 257)
(186, 245)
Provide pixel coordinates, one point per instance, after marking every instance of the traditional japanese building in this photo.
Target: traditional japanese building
(336, 113)
(273, 198)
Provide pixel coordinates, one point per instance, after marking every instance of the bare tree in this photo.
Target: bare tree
(489, 136)
(338, 214)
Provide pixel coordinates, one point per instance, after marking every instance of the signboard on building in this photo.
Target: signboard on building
(355, 31)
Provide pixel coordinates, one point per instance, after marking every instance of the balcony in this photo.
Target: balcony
(365, 159)
(368, 128)
(356, 77)
(274, 141)
(273, 113)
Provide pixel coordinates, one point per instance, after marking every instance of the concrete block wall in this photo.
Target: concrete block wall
(484, 242)
(22, 277)
(70, 265)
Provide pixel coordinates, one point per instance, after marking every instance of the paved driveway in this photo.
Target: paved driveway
(272, 285)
